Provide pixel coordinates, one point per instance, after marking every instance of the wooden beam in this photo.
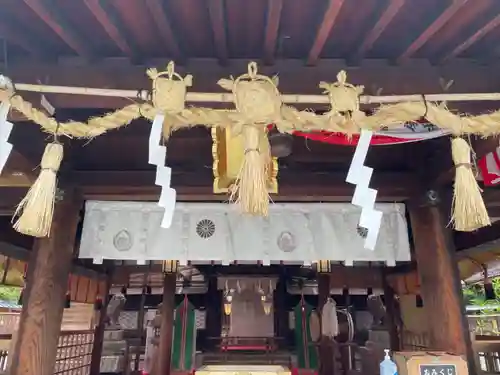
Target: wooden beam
(474, 38)
(218, 21)
(139, 185)
(272, 27)
(442, 171)
(18, 171)
(52, 16)
(157, 10)
(326, 26)
(431, 30)
(383, 21)
(113, 28)
(10, 198)
(21, 253)
(48, 273)
(468, 241)
(440, 281)
(417, 76)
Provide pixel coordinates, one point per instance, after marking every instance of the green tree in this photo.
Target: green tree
(10, 293)
(474, 295)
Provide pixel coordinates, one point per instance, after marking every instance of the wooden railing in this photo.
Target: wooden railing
(487, 350)
(8, 322)
(411, 341)
(236, 350)
(484, 324)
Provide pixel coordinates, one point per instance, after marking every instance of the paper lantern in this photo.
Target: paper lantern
(228, 154)
(227, 308)
(323, 266)
(170, 266)
(267, 305)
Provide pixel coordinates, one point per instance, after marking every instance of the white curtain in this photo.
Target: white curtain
(204, 232)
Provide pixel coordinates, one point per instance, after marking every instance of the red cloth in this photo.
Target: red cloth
(489, 166)
(341, 139)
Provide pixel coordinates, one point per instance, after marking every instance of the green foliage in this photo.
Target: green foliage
(474, 295)
(10, 293)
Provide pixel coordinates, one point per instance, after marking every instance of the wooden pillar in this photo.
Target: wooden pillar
(439, 278)
(213, 308)
(43, 305)
(164, 355)
(326, 345)
(281, 323)
(392, 317)
(95, 362)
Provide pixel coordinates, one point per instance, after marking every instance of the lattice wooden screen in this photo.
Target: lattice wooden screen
(74, 353)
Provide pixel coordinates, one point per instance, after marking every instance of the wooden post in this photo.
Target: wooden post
(326, 345)
(439, 279)
(280, 312)
(48, 269)
(164, 354)
(213, 308)
(95, 362)
(392, 316)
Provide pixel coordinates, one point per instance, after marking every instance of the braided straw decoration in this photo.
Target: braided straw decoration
(169, 94)
(344, 97)
(256, 96)
(258, 103)
(95, 126)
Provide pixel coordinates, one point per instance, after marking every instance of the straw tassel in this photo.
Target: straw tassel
(469, 211)
(251, 186)
(36, 210)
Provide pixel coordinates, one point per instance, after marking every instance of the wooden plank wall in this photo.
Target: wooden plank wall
(85, 290)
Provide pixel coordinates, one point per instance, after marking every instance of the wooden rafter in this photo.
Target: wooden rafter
(272, 28)
(18, 36)
(58, 23)
(218, 21)
(474, 38)
(161, 20)
(431, 30)
(385, 19)
(324, 30)
(112, 28)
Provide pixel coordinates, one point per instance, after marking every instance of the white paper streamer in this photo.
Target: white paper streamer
(5, 130)
(364, 197)
(157, 155)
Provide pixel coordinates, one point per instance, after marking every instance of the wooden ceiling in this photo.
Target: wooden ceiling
(259, 29)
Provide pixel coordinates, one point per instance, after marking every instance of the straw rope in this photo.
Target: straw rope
(258, 102)
(93, 128)
(288, 119)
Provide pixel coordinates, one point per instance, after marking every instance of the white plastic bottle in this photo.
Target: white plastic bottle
(387, 366)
